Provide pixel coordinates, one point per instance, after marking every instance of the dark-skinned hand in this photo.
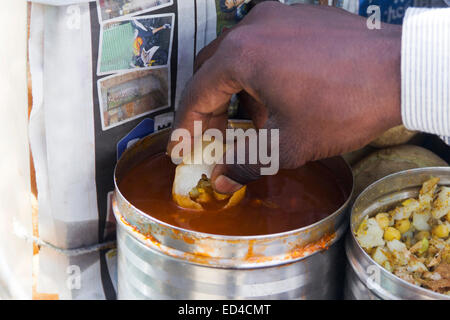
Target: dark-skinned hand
(316, 73)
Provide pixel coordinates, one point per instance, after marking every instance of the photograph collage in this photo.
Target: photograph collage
(134, 58)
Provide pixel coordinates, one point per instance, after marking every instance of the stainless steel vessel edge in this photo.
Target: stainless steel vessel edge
(159, 261)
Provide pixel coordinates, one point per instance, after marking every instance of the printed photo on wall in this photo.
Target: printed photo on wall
(127, 96)
(230, 12)
(141, 42)
(112, 9)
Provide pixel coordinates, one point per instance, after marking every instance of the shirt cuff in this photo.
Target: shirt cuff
(425, 70)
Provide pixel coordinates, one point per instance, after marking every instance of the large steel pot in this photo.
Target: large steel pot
(365, 279)
(160, 261)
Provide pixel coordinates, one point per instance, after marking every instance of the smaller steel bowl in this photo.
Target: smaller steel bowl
(365, 279)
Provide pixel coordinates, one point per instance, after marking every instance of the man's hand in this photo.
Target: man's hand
(318, 74)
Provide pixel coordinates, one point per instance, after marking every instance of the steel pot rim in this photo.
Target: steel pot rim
(386, 273)
(241, 266)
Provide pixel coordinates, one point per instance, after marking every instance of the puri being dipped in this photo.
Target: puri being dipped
(192, 188)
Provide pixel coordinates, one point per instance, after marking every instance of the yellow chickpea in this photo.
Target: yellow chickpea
(447, 216)
(391, 233)
(422, 234)
(382, 220)
(446, 257)
(402, 225)
(408, 202)
(440, 231)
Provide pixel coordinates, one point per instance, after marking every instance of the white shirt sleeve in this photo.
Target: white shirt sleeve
(425, 71)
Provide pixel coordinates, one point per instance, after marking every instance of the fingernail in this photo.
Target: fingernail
(225, 185)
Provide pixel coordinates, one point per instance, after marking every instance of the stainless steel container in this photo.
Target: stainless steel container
(160, 261)
(365, 279)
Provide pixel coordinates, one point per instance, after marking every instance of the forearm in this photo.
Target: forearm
(426, 71)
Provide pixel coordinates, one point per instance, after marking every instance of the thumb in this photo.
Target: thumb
(229, 178)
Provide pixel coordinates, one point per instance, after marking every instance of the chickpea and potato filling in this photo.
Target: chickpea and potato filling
(204, 193)
(412, 240)
(192, 189)
(203, 197)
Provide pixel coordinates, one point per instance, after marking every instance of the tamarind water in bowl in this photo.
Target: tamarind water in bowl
(289, 200)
